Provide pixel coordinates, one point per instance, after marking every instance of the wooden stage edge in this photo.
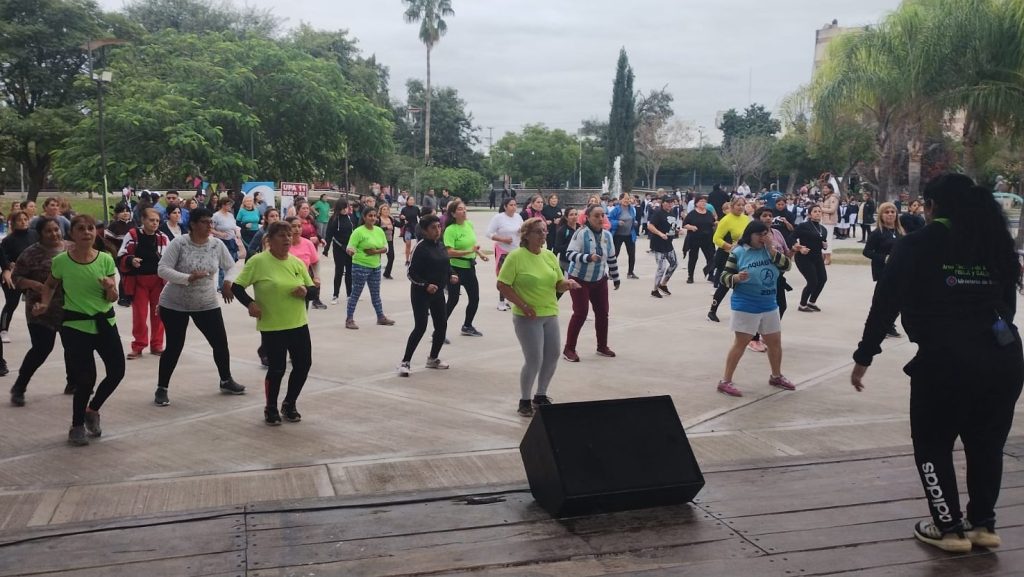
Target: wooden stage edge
(850, 515)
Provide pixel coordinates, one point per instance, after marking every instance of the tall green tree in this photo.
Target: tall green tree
(454, 135)
(229, 110)
(365, 74)
(41, 57)
(202, 17)
(622, 122)
(539, 157)
(755, 121)
(430, 14)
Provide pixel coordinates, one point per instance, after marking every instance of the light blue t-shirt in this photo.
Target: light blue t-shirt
(757, 293)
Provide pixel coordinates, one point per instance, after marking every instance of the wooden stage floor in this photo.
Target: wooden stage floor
(851, 515)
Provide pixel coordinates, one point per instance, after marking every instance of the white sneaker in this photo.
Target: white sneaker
(403, 370)
(334, 300)
(502, 306)
(5, 337)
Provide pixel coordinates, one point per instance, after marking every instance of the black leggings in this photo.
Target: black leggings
(342, 267)
(81, 368)
(391, 258)
(210, 323)
(278, 345)
(966, 390)
(13, 297)
(626, 239)
(721, 257)
(812, 266)
(700, 243)
(422, 304)
(467, 278)
(43, 338)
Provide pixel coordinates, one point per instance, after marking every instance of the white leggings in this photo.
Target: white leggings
(541, 341)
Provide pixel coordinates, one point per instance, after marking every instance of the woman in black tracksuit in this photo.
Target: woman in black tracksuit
(567, 226)
(429, 272)
(955, 282)
(700, 226)
(812, 235)
(880, 243)
(339, 229)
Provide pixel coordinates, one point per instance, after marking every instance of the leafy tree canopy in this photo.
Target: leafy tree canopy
(755, 121)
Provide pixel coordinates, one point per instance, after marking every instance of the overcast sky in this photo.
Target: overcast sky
(517, 62)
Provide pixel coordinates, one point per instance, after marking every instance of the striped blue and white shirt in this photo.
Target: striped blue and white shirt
(585, 243)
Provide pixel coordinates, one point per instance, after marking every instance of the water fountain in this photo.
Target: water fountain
(616, 189)
(604, 186)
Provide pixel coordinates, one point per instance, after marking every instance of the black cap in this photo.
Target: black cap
(668, 198)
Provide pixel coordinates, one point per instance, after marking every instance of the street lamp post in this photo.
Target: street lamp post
(105, 77)
(700, 156)
(579, 138)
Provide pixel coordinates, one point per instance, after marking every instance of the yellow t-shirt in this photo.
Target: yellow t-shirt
(534, 277)
(732, 225)
(274, 280)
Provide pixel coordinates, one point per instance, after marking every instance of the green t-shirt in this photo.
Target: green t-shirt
(534, 277)
(82, 290)
(363, 239)
(274, 280)
(323, 211)
(461, 237)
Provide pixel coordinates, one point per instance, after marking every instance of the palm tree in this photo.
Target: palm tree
(430, 14)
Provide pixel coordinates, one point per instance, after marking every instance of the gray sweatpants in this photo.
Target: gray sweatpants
(541, 341)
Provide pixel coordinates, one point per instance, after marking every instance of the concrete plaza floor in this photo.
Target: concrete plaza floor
(366, 431)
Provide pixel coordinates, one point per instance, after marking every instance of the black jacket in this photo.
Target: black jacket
(878, 248)
(339, 229)
(430, 265)
(943, 303)
(812, 235)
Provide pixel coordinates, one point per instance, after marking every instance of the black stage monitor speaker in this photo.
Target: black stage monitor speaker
(613, 455)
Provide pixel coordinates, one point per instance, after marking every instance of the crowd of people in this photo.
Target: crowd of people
(173, 261)
(171, 254)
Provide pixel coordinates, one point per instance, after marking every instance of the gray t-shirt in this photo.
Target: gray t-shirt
(625, 227)
(225, 223)
(181, 258)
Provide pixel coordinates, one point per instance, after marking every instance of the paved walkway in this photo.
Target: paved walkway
(365, 431)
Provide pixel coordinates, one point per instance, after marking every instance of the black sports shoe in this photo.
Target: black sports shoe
(92, 424)
(3, 369)
(230, 387)
(656, 294)
(289, 413)
(271, 417)
(17, 398)
(76, 436)
(69, 389)
(664, 289)
(892, 332)
(713, 316)
(525, 408)
(160, 398)
(689, 280)
(539, 400)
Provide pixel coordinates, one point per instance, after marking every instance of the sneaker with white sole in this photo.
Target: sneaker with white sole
(403, 369)
(436, 364)
(502, 306)
(982, 536)
(334, 300)
(952, 541)
(5, 336)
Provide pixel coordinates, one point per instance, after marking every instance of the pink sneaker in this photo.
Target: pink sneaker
(757, 346)
(727, 388)
(782, 383)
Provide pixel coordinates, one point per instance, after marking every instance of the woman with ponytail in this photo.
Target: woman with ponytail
(955, 283)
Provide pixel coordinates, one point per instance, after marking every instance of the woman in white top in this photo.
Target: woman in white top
(189, 265)
(504, 231)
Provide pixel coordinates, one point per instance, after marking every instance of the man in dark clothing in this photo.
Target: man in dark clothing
(662, 228)
(954, 283)
(717, 199)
